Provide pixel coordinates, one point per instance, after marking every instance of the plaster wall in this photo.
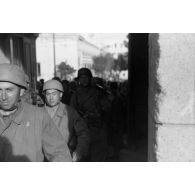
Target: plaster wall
(171, 92)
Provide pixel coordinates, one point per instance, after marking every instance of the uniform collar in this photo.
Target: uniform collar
(18, 116)
(61, 111)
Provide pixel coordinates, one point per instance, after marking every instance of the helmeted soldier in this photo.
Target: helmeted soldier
(26, 132)
(69, 122)
(92, 105)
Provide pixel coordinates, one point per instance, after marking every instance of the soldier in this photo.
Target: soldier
(92, 104)
(26, 131)
(69, 122)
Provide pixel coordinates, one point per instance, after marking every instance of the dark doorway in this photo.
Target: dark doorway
(138, 97)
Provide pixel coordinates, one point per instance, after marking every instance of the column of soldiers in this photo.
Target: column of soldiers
(77, 121)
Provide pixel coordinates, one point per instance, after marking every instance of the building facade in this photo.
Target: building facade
(19, 49)
(72, 48)
(113, 43)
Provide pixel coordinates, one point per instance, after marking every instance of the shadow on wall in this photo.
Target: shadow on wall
(155, 91)
(6, 152)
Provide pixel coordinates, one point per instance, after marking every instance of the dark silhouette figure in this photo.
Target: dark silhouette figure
(66, 95)
(6, 153)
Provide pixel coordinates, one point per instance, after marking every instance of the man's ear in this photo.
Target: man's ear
(61, 94)
(22, 92)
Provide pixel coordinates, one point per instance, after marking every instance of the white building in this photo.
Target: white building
(109, 42)
(52, 49)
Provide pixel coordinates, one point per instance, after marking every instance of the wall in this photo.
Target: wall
(66, 50)
(4, 49)
(19, 49)
(171, 115)
(45, 56)
(86, 52)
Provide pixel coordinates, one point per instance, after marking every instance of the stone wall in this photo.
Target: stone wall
(171, 114)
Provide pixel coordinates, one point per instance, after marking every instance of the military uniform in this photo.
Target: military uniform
(73, 129)
(90, 103)
(29, 134)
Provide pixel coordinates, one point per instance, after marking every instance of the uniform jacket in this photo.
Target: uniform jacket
(91, 104)
(30, 135)
(73, 129)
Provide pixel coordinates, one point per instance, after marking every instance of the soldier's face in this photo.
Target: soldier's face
(84, 80)
(53, 97)
(9, 95)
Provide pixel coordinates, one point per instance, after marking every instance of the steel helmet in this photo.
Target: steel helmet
(53, 84)
(84, 71)
(13, 74)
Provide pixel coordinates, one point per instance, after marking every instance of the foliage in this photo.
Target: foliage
(102, 63)
(65, 70)
(121, 63)
(105, 65)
